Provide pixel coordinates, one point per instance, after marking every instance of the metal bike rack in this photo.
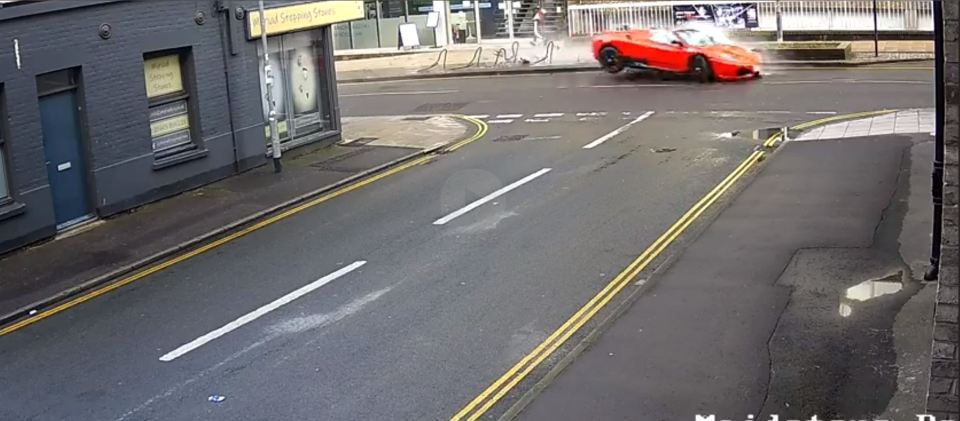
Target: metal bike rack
(441, 60)
(547, 55)
(474, 61)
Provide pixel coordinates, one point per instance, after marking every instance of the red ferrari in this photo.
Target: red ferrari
(684, 51)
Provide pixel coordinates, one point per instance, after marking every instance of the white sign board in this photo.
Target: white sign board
(408, 35)
(433, 19)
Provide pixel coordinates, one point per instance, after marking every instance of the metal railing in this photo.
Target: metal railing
(797, 15)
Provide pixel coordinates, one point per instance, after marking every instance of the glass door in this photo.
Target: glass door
(300, 91)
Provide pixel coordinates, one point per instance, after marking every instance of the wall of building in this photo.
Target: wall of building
(942, 398)
(117, 141)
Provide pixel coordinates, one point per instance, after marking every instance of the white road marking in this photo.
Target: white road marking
(592, 114)
(852, 81)
(448, 91)
(256, 314)
(903, 82)
(479, 202)
(773, 112)
(479, 116)
(822, 112)
(592, 118)
(537, 120)
(797, 82)
(624, 86)
(548, 115)
(616, 132)
(503, 121)
(544, 138)
(510, 116)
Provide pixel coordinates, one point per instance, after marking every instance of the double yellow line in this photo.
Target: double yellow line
(143, 273)
(496, 391)
(503, 385)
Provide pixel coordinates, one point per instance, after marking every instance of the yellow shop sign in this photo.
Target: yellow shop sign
(303, 16)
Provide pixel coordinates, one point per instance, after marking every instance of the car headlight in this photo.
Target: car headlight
(728, 57)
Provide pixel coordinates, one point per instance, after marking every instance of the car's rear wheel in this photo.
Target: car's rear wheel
(700, 68)
(610, 60)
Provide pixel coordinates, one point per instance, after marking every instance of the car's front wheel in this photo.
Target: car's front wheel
(700, 68)
(610, 60)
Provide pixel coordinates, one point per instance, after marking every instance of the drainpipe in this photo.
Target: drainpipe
(937, 178)
(225, 45)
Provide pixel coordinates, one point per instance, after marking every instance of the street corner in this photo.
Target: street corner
(409, 131)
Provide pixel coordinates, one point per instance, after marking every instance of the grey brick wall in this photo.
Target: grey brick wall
(117, 132)
(942, 397)
(120, 164)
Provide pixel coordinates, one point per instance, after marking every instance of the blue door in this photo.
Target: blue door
(59, 119)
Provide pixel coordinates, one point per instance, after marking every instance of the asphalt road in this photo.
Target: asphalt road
(419, 317)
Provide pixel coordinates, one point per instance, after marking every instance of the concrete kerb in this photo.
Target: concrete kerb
(574, 68)
(775, 138)
(118, 274)
(591, 337)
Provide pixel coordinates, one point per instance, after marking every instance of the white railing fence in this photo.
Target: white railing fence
(797, 15)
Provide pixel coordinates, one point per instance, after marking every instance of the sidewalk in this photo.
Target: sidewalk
(101, 252)
(803, 297)
(567, 56)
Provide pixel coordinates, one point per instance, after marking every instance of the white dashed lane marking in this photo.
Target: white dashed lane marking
(616, 132)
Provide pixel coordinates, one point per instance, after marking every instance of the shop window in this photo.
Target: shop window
(300, 93)
(168, 95)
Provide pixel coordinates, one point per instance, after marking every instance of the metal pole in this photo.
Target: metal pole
(509, 10)
(268, 84)
(876, 32)
(779, 22)
(476, 20)
(937, 176)
(377, 15)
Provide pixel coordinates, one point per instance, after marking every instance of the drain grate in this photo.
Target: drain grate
(510, 138)
(440, 107)
(417, 118)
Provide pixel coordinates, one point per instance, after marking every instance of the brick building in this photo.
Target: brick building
(106, 105)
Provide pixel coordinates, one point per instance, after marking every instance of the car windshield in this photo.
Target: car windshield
(696, 38)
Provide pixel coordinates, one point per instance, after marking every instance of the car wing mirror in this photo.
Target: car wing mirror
(677, 43)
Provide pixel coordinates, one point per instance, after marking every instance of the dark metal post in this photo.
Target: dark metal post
(937, 178)
(876, 32)
(779, 22)
(377, 13)
(268, 87)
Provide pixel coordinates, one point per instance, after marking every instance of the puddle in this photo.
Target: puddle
(869, 290)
